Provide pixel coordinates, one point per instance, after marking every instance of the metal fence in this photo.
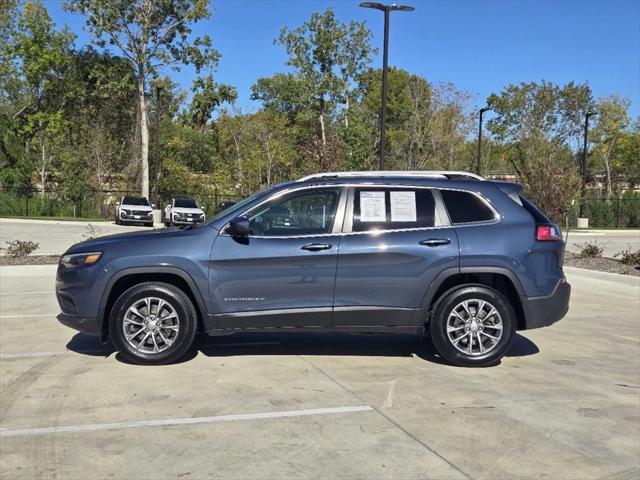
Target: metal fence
(621, 211)
(35, 202)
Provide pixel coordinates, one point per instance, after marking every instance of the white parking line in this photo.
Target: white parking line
(9, 356)
(28, 293)
(4, 432)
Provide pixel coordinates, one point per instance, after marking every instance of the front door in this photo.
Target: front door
(283, 273)
(397, 240)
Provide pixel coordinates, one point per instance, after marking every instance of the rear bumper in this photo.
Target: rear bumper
(87, 325)
(547, 310)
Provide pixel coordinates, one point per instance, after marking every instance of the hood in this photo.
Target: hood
(197, 211)
(107, 241)
(144, 208)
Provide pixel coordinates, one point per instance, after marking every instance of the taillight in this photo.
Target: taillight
(546, 233)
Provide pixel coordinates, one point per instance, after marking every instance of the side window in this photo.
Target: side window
(465, 207)
(307, 212)
(392, 209)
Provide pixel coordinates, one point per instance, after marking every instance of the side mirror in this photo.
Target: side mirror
(239, 227)
(153, 205)
(117, 204)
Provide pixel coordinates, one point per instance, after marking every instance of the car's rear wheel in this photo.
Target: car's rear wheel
(472, 325)
(153, 323)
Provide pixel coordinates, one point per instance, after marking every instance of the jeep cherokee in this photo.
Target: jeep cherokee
(466, 260)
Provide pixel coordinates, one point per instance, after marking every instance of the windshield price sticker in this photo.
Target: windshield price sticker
(403, 207)
(372, 207)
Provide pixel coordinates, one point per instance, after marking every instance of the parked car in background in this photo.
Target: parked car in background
(130, 210)
(183, 211)
(466, 260)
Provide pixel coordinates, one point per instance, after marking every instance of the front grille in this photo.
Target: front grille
(140, 212)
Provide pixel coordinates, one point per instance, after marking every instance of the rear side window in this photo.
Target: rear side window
(465, 207)
(392, 209)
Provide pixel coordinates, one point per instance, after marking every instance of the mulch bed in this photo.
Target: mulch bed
(570, 259)
(30, 260)
(602, 264)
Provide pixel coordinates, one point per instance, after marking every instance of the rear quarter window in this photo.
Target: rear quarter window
(465, 207)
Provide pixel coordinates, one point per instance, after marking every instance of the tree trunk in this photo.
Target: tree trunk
(144, 138)
(43, 171)
(239, 158)
(607, 166)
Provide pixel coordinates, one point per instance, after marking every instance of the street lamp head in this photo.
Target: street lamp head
(484, 109)
(377, 6)
(380, 6)
(402, 8)
(591, 113)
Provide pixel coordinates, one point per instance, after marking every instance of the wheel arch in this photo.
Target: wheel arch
(497, 278)
(125, 279)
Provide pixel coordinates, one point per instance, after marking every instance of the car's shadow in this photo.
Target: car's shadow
(327, 344)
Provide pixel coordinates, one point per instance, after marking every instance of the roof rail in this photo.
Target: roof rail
(435, 174)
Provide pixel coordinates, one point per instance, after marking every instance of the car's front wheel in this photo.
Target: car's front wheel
(472, 325)
(153, 323)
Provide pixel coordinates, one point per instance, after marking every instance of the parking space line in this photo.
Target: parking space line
(27, 293)
(8, 356)
(180, 421)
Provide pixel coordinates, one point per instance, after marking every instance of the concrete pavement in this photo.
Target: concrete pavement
(565, 402)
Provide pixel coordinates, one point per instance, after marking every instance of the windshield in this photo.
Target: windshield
(185, 203)
(135, 201)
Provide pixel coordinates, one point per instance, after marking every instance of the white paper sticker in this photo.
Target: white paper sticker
(372, 207)
(403, 206)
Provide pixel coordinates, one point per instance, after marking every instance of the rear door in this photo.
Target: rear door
(396, 240)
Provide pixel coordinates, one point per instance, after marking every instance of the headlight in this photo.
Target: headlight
(80, 259)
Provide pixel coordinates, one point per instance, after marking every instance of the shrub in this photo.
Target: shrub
(629, 257)
(21, 248)
(589, 249)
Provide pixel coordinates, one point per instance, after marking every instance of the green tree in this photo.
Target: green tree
(540, 123)
(612, 122)
(152, 34)
(207, 96)
(327, 56)
(41, 56)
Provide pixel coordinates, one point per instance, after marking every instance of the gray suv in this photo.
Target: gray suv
(466, 260)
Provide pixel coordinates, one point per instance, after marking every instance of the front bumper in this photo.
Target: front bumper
(547, 310)
(187, 220)
(136, 218)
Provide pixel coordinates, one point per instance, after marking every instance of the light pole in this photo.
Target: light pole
(479, 159)
(585, 153)
(385, 54)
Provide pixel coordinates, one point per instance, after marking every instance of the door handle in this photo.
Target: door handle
(435, 242)
(315, 247)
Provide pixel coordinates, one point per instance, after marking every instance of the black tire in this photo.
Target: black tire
(117, 221)
(443, 309)
(184, 309)
(148, 224)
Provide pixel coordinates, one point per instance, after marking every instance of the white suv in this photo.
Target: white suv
(134, 210)
(183, 211)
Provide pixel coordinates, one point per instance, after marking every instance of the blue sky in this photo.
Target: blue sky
(480, 46)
